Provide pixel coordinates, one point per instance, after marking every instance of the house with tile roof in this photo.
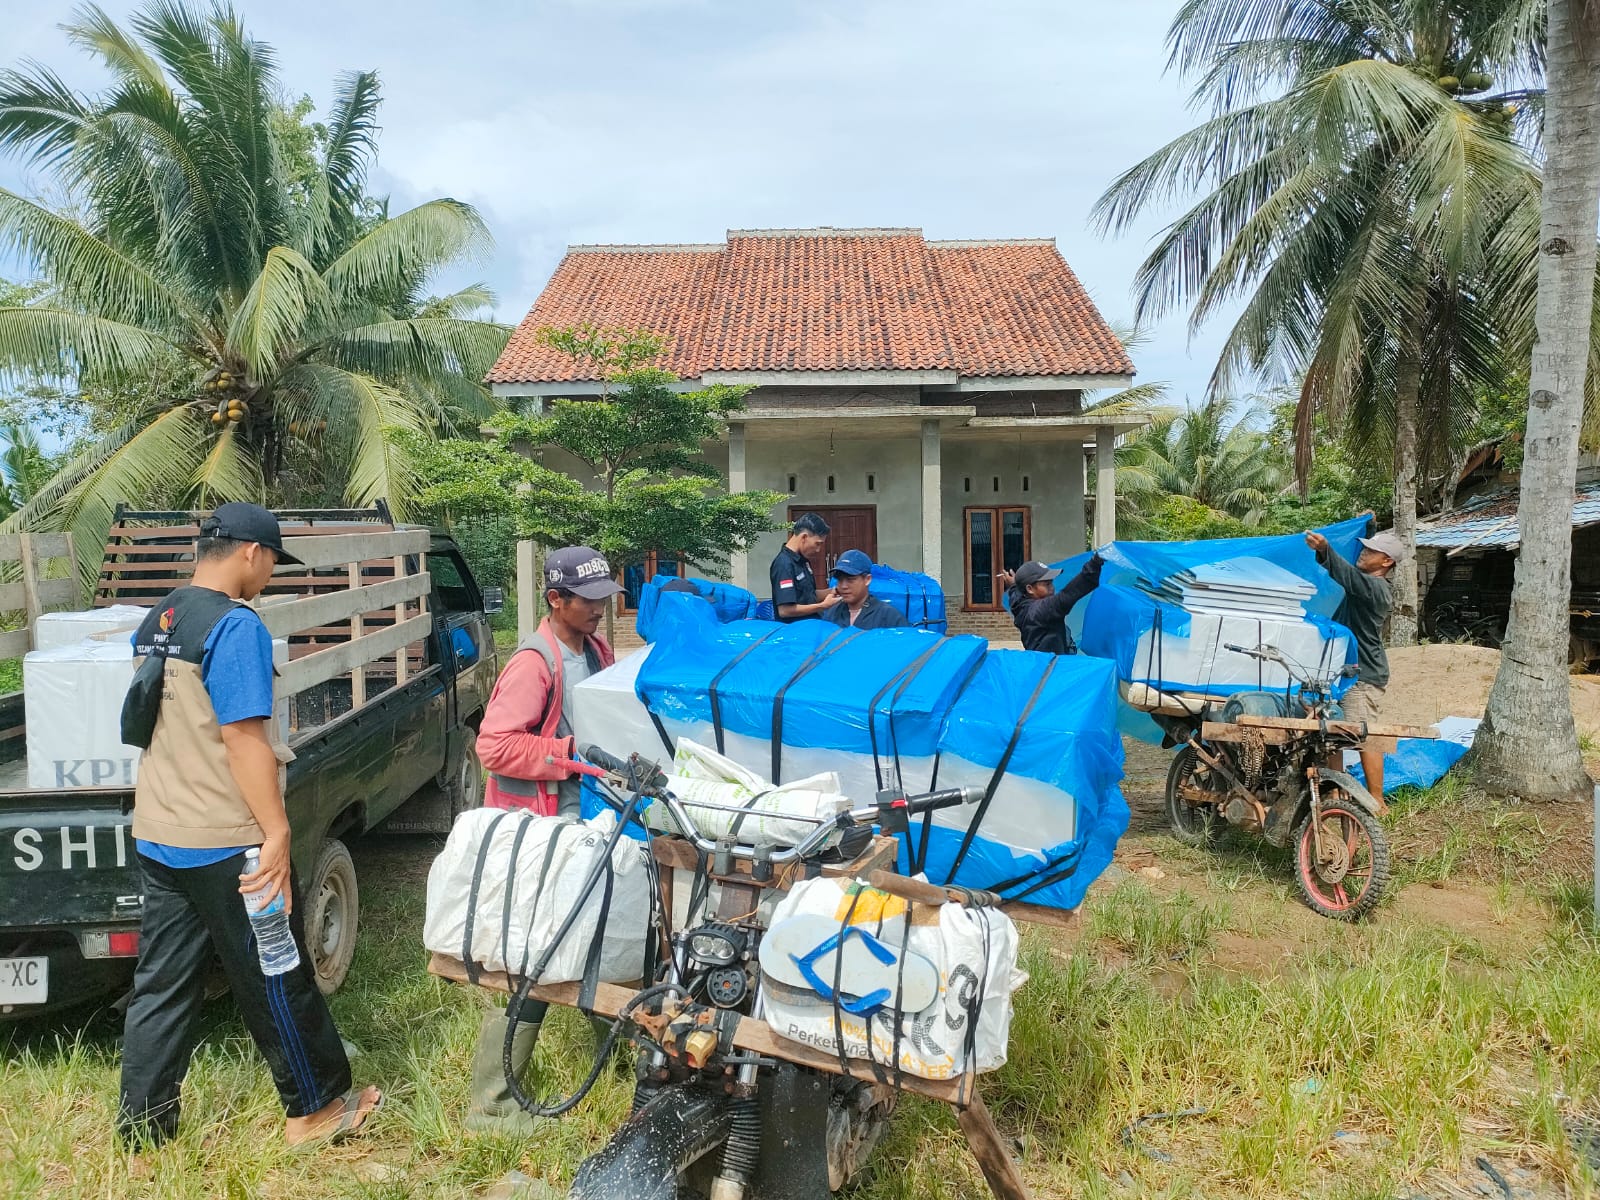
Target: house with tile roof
(924, 396)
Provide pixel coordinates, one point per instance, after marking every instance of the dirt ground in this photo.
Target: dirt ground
(1443, 680)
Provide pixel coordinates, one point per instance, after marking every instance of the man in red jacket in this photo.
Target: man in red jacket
(529, 715)
(528, 721)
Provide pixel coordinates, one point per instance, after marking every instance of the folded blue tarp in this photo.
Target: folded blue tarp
(1421, 762)
(728, 602)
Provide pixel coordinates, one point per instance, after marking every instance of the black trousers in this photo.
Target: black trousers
(188, 913)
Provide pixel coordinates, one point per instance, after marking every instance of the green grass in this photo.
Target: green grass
(1389, 1037)
(10, 676)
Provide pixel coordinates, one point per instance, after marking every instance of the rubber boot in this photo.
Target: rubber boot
(493, 1109)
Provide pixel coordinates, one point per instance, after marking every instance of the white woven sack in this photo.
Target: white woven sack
(933, 1043)
(522, 901)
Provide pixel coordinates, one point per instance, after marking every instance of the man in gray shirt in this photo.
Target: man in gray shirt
(1368, 597)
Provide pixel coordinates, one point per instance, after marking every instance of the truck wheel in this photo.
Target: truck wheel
(331, 922)
(464, 788)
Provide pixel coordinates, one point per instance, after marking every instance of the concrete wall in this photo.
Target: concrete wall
(894, 462)
(1055, 517)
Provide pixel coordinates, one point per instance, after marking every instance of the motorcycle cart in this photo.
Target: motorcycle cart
(706, 1069)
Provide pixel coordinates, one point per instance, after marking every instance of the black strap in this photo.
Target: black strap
(825, 649)
(915, 669)
(903, 678)
(716, 699)
(661, 730)
(591, 963)
(838, 979)
(919, 862)
(511, 889)
(550, 849)
(472, 897)
(1000, 770)
(1053, 871)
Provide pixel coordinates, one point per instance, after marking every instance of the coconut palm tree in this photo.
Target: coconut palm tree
(1357, 172)
(1214, 455)
(1528, 745)
(24, 468)
(301, 333)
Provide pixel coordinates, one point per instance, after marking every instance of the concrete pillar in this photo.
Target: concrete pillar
(528, 590)
(932, 503)
(738, 562)
(1077, 527)
(1105, 488)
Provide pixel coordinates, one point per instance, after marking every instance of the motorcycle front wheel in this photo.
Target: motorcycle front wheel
(1194, 825)
(1346, 880)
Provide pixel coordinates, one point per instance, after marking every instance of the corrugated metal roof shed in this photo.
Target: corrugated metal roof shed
(1491, 520)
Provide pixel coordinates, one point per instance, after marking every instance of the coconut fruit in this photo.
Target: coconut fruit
(1450, 83)
(1476, 81)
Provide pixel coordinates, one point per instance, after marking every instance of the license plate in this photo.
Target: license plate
(24, 980)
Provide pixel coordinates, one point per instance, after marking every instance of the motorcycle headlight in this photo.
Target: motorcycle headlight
(713, 946)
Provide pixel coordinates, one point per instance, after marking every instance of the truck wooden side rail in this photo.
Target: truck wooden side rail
(390, 664)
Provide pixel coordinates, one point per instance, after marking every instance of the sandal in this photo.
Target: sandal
(352, 1120)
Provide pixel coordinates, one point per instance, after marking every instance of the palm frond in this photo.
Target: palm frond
(88, 270)
(37, 339)
(40, 116)
(423, 348)
(93, 29)
(231, 471)
(407, 248)
(476, 297)
(286, 297)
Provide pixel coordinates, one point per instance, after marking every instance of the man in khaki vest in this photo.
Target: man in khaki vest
(210, 788)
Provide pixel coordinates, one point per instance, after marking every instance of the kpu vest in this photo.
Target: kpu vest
(186, 794)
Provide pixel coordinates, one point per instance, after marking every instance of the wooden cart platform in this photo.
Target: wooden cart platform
(1278, 731)
(875, 866)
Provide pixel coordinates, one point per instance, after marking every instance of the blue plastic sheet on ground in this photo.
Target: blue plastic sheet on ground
(728, 602)
(919, 597)
(877, 705)
(1113, 619)
(1070, 743)
(1421, 762)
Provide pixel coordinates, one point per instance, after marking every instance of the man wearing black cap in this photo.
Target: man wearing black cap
(794, 587)
(1039, 611)
(210, 788)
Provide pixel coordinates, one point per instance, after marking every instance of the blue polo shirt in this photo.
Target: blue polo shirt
(236, 669)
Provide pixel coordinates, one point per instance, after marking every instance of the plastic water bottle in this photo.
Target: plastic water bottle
(270, 921)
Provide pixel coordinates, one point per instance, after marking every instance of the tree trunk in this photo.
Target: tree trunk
(1527, 745)
(1408, 384)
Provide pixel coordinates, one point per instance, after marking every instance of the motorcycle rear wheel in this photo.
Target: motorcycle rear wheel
(1349, 880)
(1194, 825)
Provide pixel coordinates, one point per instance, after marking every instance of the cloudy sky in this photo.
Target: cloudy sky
(570, 121)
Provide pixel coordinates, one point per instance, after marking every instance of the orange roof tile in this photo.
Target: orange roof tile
(827, 300)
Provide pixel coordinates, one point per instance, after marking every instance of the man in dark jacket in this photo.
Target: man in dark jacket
(794, 588)
(1040, 611)
(858, 607)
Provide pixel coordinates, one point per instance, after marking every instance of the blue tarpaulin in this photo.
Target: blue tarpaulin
(1114, 618)
(880, 705)
(1421, 762)
(728, 602)
(919, 597)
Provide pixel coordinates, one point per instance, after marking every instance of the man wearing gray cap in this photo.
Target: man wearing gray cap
(528, 722)
(1368, 597)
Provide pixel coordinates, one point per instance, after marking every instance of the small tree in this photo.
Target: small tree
(640, 443)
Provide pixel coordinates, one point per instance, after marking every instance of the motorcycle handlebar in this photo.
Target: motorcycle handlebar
(945, 798)
(631, 768)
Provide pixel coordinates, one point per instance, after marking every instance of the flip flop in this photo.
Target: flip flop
(352, 1121)
(804, 953)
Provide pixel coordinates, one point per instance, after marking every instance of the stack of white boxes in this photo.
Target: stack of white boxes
(73, 693)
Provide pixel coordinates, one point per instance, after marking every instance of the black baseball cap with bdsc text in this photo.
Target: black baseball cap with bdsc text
(580, 570)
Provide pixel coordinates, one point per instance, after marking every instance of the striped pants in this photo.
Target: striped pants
(189, 915)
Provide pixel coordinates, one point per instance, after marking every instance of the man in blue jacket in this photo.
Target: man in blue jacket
(858, 607)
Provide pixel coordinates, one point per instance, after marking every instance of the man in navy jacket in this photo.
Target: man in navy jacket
(1039, 611)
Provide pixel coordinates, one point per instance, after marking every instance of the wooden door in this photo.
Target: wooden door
(851, 528)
